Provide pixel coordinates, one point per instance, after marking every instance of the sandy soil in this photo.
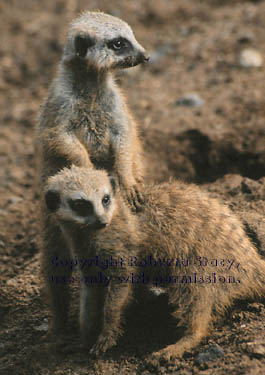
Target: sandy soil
(219, 144)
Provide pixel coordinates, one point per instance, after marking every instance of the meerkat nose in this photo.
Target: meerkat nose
(142, 57)
(146, 58)
(101, 222)
(100, 225)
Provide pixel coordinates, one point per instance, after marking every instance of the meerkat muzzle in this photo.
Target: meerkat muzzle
(142, 57)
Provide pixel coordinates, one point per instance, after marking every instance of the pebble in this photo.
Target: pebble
(157, 291)
(256, 347)
(190, 100)
(250, 58)
(214, 351)
(42, 328)
(14, 199)
(3, 212)
(246, 37)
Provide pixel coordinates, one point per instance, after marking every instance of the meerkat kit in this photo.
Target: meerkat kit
(117, 231)
(178, 222)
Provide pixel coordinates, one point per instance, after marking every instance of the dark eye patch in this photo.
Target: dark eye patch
(52, 200)
(82, 43)
(119, 45)
(81, 206)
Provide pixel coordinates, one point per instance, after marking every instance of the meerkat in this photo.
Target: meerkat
(183, 241)
(85, 120)
(70, 201)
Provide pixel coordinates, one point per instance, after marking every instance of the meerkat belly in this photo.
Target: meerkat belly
(98, 139)
(100, 150)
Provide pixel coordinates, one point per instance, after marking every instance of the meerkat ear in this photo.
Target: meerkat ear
(114, 184)
(52, 200)
(82, 43)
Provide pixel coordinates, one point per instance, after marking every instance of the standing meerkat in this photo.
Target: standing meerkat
(85, 120)
(183, 241)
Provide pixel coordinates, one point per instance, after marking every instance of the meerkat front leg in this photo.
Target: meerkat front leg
(91, 300)
(66, 145)
(124, 169)
(116, 299)
(55, 277)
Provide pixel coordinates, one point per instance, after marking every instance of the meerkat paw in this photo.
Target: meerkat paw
(170, 352)
(102, 345)
(135, 198)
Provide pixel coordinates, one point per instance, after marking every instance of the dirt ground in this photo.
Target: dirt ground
(218, 143)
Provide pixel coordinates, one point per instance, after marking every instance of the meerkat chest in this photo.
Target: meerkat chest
(99, 127)
(93, 127)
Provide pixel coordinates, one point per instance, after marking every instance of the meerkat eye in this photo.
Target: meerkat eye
(81, 206)
(82, 43)
(106, 200)
(119, 44)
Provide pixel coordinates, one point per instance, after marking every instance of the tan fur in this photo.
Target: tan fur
(178, 221)
(85, 122)
(85, 242)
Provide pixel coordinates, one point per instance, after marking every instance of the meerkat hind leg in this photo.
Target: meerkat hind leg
(197, 322)
(116, 299)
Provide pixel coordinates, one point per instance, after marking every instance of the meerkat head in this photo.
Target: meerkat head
(82, 197)
(103, 42)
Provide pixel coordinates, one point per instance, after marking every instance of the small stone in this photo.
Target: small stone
(245, 188)
(250, 58)
(256, 347)
(213, 352)
(42, 328)
(17, 173)
(256, 307)
(190, 100)
(157, 291)
(246, 37)
(14, 199)
(3, 212)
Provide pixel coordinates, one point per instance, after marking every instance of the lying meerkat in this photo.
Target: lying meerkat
(195, 246)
